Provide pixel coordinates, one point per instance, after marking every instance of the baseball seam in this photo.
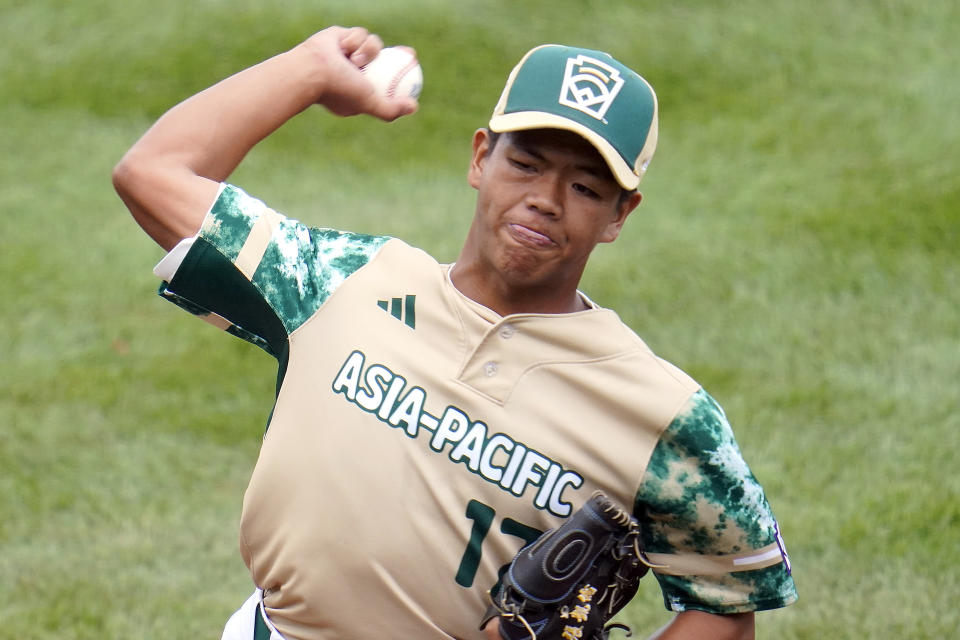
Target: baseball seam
(398, 77)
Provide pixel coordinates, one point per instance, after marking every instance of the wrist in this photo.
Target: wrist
(306, 72)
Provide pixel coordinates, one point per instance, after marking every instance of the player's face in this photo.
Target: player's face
(545, 199)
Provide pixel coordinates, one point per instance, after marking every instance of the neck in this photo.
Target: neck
(506, 299)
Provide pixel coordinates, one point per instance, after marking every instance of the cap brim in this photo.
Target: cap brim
(523, 120)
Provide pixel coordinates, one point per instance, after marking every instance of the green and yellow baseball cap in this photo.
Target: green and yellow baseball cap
(587, 92)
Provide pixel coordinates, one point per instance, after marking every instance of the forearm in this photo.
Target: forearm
(169, 177)
(693, 625)
(211, 132)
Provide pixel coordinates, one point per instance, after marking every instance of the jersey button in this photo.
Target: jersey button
(507, 331)
(490, 369)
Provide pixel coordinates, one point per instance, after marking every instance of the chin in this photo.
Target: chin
(522, 268)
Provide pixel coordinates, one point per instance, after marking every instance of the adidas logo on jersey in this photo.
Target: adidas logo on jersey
(403, 309)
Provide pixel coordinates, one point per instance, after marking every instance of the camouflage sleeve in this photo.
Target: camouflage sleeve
(706, 521)
(260, 275)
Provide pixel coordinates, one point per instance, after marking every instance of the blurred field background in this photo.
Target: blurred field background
(797, 251)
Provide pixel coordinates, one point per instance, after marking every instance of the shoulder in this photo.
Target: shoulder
(650, 374)
(294, 267)
(698, 462)
(705, 518)
(237, 222)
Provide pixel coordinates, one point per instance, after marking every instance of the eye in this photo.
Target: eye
(584, 190)
(521, 165)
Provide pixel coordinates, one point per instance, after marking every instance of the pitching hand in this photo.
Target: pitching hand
(341, 52)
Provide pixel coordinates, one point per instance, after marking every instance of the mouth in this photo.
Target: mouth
(530, 237)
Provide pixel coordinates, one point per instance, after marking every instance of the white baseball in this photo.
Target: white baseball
(395, 72)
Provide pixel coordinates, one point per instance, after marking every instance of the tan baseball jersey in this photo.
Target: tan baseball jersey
(418, 439)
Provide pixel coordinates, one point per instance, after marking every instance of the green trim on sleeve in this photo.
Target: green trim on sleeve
(294, 271)
(230, 219)
(298, 267)
(302, 267)
(759, 590)
(699, 497)
(207, 275)
(298, 270)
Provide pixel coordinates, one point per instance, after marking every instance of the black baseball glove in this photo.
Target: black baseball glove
(572, 579)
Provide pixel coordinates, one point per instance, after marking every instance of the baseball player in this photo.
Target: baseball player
(432, 419)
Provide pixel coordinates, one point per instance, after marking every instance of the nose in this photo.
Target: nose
(546, 194)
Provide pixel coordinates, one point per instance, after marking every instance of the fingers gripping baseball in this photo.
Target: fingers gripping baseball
(360, 46)
(342, 52)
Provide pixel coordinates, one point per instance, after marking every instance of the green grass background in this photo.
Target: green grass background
(796, 251)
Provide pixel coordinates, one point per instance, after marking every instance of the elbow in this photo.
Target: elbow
(125, 176)
(135, 182)
(164, 198)
(120, 175)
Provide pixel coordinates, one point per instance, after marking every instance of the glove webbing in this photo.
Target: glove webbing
(601, 539)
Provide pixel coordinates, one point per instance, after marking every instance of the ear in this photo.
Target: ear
(612, 231)
(481, 144)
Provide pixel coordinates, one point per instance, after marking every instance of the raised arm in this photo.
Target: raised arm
(170, 177)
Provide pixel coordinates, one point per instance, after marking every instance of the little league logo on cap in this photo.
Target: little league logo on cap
(587, 92)
(589, 85)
